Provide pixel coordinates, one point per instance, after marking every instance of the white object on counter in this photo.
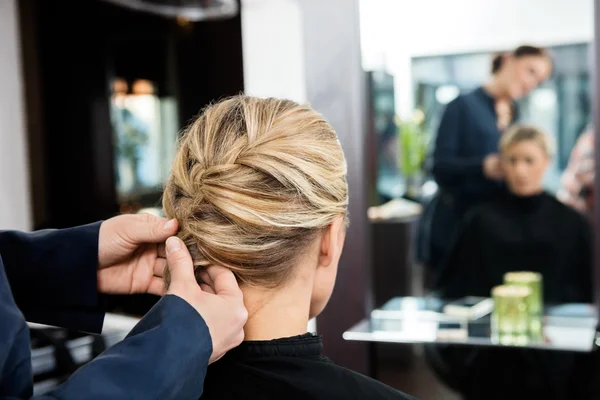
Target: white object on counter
(113, 323)
(397, 208)
(118, 323)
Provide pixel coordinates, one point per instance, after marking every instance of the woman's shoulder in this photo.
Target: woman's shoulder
(564, 211)
(458, 101)
(472, 100)
(481, 212)
(292, 378)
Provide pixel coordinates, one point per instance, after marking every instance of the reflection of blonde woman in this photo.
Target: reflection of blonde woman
(259, 186)
(524, 230)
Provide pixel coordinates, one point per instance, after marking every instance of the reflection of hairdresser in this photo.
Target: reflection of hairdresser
(526, 229)
(57, 277)
(466, 165)
(578, 179)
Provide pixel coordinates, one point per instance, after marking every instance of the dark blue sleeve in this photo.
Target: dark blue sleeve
(462, 266)
(15, 351)
(164, 357)
(449, 166)
(53, 276)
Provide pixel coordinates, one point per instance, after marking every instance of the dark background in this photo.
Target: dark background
(72, 50)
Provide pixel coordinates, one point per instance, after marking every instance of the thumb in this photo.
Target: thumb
(179, 261)
(147, 228)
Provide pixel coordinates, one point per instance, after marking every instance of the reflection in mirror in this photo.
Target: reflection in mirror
(481, 112)
(145, 130)
(569, 327)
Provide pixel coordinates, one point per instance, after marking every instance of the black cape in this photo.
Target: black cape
(535, 233)
(288, 369)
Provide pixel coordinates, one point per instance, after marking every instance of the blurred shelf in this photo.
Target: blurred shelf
(80, 346)
(568, 327)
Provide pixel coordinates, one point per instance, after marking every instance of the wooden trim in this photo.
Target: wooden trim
(596, 118)
(32, 85)
(336, 88)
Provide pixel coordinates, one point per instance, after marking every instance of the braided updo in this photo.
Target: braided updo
(253, 182)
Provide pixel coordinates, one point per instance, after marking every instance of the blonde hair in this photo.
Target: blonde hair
(519, 133)
(254, 180)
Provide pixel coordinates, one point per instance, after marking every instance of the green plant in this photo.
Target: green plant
(412, 144)
(133, 136)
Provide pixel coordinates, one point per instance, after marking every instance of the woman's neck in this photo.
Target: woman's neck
(495, 89)
(527, 203)
(534, 193)
(274, 314)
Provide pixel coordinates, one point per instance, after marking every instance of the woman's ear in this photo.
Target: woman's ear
(332, 242)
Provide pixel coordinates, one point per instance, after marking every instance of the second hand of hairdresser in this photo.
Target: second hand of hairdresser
(55, 278)
(223, 312)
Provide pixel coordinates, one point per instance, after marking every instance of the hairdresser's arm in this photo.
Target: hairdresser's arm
(56, 275)
(166, 355)
(450, 168)
(462, 266)
(52, 275)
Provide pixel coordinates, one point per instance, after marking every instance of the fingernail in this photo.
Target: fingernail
(170, 225)
(173, 245)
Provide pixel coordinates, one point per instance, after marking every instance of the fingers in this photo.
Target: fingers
(147, 228)
(161, 251)
(223, 281)
(170, 227)
(157, 286)
(159, 267)
(206, 288)
(203, 274)
(179, 261)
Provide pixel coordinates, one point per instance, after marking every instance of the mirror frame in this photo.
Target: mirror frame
(595, 61)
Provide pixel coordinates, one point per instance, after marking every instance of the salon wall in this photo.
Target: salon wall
(394, 31)
(335, 86)
(309, 51)
(15, 212)
(274, 63)
(272, 44)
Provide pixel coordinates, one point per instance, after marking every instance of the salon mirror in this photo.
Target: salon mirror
(447, 84)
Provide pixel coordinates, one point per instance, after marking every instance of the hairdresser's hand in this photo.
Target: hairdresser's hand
(131, 256)
(492, 168)
(219, 300)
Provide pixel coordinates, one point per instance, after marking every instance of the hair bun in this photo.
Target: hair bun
(254, 180)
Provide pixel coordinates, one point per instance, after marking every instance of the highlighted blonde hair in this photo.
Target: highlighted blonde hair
(253, 182)
(519, 133)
